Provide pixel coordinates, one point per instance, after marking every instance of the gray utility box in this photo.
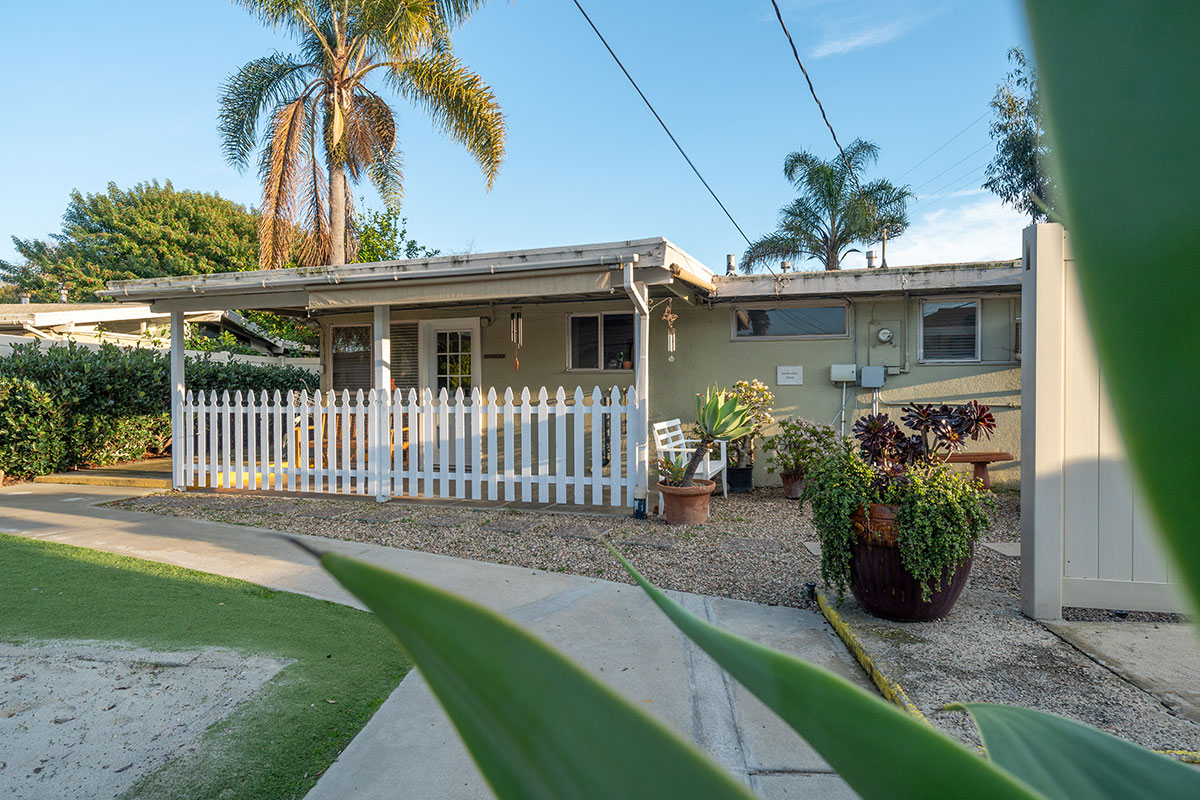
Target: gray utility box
(871, 377)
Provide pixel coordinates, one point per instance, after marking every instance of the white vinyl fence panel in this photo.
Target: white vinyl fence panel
(550, 447)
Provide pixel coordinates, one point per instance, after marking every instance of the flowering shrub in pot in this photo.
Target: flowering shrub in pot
(896, 524)
(758, 400)
(797, 447)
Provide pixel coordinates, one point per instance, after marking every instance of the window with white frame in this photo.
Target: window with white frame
(817, 321)
(949, 330)
(600, 341)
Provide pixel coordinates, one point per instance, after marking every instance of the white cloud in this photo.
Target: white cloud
(857, 40)
(982, 229)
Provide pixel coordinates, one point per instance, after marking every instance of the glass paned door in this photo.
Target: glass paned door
(452, 362)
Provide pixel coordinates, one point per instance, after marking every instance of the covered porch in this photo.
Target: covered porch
(514, 376)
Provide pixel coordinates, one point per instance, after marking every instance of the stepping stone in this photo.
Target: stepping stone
(511, 524)
(1007, 549)
(574, 532)
(814, 548)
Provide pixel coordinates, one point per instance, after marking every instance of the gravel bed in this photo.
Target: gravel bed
(751, 549)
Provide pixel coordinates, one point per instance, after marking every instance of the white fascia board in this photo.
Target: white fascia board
(117, 313)
(649, 252)
(949, 277)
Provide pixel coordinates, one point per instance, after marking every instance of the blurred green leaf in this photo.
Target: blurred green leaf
(1064, 759)
(881, 751)
(537, 725)
(1119, 83)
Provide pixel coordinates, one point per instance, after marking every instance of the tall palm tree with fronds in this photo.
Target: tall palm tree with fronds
(830, 215)
(325, 127)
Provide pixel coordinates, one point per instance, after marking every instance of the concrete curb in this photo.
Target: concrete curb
(104, 480)
(891, 691)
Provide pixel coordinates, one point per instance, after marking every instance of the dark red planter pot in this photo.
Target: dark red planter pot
(881, 583)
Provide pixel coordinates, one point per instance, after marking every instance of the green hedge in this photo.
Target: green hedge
(31, 441)
(70, 406)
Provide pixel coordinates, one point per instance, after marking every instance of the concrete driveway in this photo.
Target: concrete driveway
(611, 629)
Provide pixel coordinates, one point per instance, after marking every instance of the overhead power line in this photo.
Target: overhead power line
(943, 144)
(674, 141)
(952, 166)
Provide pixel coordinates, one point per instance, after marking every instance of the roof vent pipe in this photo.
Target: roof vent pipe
(786, 266)
(870, 259)
(729, 265)
(24, 298)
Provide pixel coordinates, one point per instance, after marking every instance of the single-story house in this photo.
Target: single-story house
(127, 323)
(536, 374)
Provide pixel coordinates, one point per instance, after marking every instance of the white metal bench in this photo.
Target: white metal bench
(669, 442)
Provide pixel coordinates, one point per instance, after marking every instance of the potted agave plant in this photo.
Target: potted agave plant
(758, 399)
(797, 447)
(896, 524)
(719, 417)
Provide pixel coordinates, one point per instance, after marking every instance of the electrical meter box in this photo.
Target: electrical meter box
(842, 373)
(871, 377)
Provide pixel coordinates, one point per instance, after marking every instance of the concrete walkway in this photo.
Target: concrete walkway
(609, 628)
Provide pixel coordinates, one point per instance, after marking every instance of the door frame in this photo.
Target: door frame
(426, 369)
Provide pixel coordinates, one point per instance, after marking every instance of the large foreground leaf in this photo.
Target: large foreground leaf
(878, 749)
(1064, 759)
(1120, 82)
(537, 725)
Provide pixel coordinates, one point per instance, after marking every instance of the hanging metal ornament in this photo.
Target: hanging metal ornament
(669, 317)
(516, 330)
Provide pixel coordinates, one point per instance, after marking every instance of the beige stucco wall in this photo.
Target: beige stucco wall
(705, 355)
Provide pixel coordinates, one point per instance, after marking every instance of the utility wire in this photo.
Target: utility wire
(943, 145)
(674, 141)
(933, 196)
(952, 166)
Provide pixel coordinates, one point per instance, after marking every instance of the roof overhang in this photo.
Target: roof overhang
(547, 273)
(991, 276)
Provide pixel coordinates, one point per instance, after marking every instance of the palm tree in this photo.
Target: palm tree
(325, 127)
(831, 215)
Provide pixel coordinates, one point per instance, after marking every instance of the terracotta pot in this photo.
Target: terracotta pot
(686, 505)
(626, 365)
(741, 479)
(793, 485)
(880, 581)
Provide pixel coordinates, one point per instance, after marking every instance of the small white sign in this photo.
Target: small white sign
(789, 376)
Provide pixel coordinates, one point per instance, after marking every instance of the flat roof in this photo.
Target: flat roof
(923, 279)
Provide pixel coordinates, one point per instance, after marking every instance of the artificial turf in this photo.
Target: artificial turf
(275, 746)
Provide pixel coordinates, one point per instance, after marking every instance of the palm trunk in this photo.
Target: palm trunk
(337, 214)
(689, 474)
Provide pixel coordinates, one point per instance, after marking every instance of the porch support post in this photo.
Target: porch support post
(178, 391)
(381, 385)
(641, 379)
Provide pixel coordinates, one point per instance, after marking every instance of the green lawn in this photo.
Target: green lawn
(274, 746)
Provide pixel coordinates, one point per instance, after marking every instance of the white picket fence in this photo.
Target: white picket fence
(575, 449)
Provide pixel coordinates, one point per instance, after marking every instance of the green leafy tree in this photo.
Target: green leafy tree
(831, 215)
(1018, 173)
(383, 236)
(325, 127)
(149, 231)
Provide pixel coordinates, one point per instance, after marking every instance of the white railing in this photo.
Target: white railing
(578, 449)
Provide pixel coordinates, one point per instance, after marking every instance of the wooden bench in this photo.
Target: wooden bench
(981, 459)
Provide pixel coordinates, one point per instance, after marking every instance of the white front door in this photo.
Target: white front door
(450, 355)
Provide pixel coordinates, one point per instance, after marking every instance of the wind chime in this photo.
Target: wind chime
(669, 317)
(516, 330)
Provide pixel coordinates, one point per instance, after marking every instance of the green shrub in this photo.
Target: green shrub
(94, 440)
(30, 429)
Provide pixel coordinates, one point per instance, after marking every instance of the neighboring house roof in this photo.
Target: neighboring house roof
(513, 275)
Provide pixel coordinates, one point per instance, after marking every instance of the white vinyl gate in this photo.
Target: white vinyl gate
(577, 449)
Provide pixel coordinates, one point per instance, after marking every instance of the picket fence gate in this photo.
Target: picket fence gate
(579, 449)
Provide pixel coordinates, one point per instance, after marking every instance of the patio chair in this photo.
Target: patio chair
(670, 442)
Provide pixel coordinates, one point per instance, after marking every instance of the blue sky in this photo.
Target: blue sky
(127, 91)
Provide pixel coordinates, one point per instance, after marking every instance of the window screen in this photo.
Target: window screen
(950, 330)
(800, 322)
(601, 341)
(351, 348)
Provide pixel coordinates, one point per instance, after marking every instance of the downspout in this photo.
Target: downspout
(641, 339)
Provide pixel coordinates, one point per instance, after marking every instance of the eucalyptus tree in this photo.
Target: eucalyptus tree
(1018, 173)
(324, 125)
(830, 214)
